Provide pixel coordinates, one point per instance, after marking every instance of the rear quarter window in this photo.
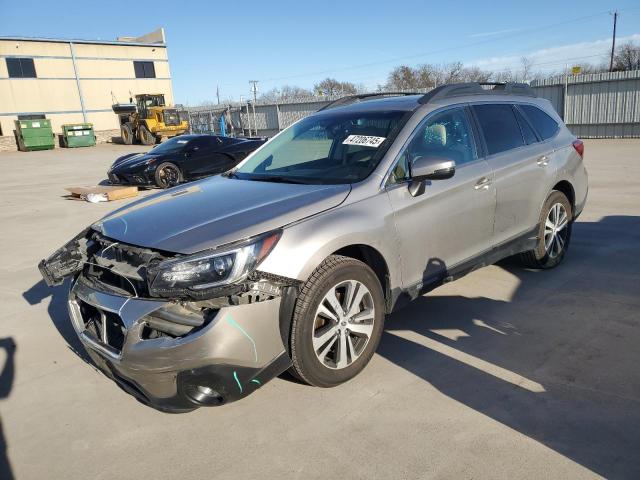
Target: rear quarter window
(546, 126)
(527, 132)
(499, 127)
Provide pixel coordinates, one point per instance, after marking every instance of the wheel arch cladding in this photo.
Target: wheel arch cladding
(565, 187)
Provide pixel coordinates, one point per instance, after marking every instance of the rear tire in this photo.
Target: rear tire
(146, 137)
(168, 175)
(126, 134)
(329, 346)
(554, 233)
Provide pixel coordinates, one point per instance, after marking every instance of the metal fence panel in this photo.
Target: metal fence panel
(292, 112)
(602, 105)
(553, 93)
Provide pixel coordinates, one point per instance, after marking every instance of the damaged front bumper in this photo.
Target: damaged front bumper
(234, 352)
(175, 354)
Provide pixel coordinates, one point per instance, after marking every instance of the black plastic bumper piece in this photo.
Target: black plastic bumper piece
(48, 276)
(216, 385)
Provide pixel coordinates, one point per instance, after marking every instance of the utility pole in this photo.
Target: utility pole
(218, 94)
(254, 89)
(613, 43)
(241, 122)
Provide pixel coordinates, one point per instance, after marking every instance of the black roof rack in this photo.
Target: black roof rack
(445, 91)
(354, 98)
(476, 88)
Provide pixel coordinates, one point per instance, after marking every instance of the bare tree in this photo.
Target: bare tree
(401, 78)
(331, 86)
(627, 57)
(428, 76)
(525, 73)
(286, 92)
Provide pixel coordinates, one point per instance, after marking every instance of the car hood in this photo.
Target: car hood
(131, 160)
(215, 211)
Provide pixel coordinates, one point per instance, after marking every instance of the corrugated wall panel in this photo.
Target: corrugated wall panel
(602, 105)
(292, 112)
(553, 93)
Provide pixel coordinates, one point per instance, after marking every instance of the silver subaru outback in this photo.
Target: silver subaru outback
(199, 295)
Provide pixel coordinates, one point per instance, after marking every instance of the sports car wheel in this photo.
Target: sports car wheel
(168, 175)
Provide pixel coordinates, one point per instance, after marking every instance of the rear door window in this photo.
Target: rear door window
(499, 127)
(546, 126)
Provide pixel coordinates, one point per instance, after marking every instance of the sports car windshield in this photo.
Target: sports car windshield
(329, 148)
(172, 145)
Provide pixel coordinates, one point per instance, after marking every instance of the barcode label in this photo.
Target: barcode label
(364, 141)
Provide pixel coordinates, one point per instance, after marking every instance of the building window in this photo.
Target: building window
(21, 68)
(144, 69)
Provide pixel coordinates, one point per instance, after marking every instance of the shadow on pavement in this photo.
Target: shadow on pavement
(558, 362)
(6, 383)
(58, 313)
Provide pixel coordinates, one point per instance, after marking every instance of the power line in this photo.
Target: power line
(443, 50)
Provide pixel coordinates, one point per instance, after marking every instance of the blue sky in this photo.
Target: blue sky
(299, 43)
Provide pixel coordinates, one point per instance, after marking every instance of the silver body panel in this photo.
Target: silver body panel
(487, 202)
(244, 336)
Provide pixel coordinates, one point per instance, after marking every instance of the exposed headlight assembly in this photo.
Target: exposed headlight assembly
(195, 275)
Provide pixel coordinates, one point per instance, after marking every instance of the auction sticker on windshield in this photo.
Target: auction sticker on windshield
(364, 140)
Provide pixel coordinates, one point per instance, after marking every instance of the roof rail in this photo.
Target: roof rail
(364, 96)
(476, 88)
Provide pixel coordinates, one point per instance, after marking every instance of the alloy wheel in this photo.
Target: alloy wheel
(555, 230)
(169, 176)
(343, 324)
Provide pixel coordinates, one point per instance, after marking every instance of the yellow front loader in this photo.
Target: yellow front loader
(148, 120)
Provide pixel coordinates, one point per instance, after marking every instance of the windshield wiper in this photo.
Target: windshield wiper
(276, 179)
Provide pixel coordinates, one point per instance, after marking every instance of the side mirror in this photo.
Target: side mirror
(429, 168)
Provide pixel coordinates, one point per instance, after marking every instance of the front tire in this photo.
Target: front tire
(554, 233)
(337, 322)
(126, 134)
(168, 175)
(146, 137)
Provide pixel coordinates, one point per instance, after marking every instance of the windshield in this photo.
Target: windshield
(328, 148)
(172, 145)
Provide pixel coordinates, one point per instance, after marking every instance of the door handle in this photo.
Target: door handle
(483, 183)
(543, 161)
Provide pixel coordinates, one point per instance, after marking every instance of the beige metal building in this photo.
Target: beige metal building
(72, 81)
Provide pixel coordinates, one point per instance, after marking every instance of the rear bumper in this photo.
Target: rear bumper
(233, 355)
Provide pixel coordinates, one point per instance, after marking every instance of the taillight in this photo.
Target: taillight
(579, 146)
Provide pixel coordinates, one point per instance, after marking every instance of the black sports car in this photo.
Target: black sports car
(179, 159)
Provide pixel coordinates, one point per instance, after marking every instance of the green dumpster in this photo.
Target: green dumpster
(34, 135)
(78, 135)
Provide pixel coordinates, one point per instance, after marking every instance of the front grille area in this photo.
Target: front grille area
(120, 268)
(106, 327)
